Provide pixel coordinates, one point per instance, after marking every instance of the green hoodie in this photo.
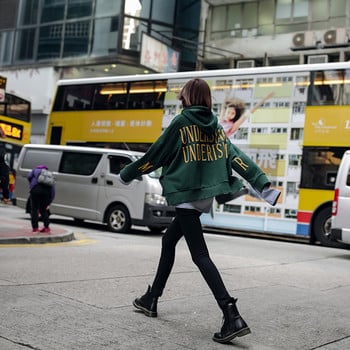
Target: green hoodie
(196, 159)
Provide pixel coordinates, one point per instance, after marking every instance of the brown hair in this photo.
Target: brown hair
(196, 92)
(237, 104)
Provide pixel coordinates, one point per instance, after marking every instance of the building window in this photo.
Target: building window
(292, 188)
(260, 130)
(52, 11)
(24, 44)
(6, 46)
(292, 10)
(294, 160)
(29, 12)
(79, 9)
(298, 107)
(107, 8)
(232, 208)
(237, 20)
(105, 36)
(241, 134)
(278, 130)
(297, 134)
(290, 214)
(252, 209)
(76, 39)
(50, 41)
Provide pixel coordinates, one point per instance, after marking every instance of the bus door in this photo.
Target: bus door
(56, 135)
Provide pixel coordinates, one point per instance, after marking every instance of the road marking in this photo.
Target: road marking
(80, 239)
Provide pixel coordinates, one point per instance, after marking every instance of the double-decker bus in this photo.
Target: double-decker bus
(297, 136)
(15, 129)
(15, 125)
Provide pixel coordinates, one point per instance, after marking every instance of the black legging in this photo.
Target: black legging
(40, 200)
(187, 223)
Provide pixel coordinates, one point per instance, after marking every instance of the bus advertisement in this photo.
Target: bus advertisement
(297, 135)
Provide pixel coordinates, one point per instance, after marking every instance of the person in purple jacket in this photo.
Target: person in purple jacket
(41, 197)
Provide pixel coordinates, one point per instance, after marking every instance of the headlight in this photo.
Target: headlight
(155, 199)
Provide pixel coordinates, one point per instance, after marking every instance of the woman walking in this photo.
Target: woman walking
(197, 160)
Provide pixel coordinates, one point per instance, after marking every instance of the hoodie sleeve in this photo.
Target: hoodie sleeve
(159, 154)
(245, 167)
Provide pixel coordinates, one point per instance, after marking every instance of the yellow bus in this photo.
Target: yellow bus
(15, 125)
(297, 136)
(15, 129)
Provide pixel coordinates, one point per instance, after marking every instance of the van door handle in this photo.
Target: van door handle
(109, 182)
(94, 180)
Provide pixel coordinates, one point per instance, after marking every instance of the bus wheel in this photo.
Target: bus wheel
(322, 226)
(118, 219)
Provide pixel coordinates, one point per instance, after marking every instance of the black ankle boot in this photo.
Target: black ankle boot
(233, 326)
(147, 303)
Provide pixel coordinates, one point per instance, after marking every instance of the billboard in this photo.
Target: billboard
(158, 56)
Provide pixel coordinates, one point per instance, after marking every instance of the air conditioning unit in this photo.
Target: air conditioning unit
(317, 59)
(304, 39)
(335, 36)
(245, 64)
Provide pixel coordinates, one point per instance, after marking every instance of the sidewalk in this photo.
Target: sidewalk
(19, 231)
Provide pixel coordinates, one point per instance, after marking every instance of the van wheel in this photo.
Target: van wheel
(118, 219)
(322, 227)
(156, 229)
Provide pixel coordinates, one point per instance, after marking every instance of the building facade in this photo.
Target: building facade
(42, 41)
(273, 32)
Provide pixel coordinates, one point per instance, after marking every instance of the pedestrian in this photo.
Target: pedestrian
(4, 177)
(234, 114)
(196, 159)
(41, 196)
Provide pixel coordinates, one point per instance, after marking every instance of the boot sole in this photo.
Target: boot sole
(144, 310)
(240, 333)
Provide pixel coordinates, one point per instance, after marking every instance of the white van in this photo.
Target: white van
(87, 187)
(340, 230)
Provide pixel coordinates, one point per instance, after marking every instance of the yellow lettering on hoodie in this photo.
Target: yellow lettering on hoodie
(240, 162)
(145, 167)
(198, 146)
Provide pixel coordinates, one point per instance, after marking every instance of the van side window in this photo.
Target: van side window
(79, 163)
(117, 163)
(348, 178)
(35, 157)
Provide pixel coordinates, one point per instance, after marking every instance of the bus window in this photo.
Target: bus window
(110, 96)
(330, 87)
(319, 167)
(76, 97)
(147, 95)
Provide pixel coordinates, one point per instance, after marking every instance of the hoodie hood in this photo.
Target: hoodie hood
(203, 117)
(42, 167)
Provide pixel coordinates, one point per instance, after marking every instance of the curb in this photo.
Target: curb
(38, 239)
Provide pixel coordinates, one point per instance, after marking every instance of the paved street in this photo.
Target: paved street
(78, 294)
